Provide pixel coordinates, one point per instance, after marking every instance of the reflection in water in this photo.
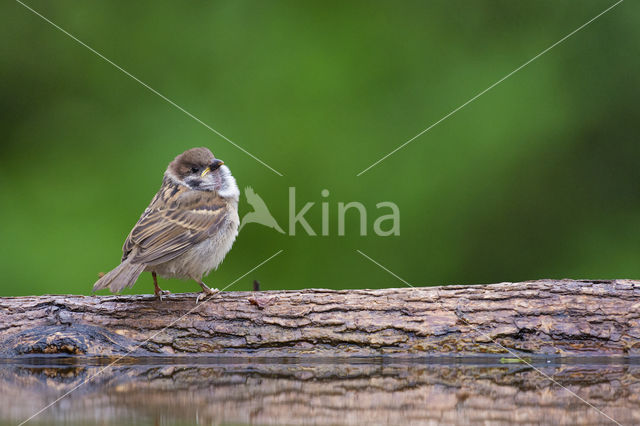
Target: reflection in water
(324, 393)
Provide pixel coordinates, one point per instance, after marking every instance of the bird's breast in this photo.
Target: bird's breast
(204, 256)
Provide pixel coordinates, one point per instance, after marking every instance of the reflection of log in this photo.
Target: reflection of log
(262, 393)
(539, 317)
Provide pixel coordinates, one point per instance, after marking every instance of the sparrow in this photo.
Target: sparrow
(187, 229)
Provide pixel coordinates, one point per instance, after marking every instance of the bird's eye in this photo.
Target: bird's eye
(195, 170)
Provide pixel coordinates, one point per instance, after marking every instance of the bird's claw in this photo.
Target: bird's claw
(206, 292)
(161, 293)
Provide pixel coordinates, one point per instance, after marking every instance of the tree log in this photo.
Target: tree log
(536, 318)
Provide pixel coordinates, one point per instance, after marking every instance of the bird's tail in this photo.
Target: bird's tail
(123, 275)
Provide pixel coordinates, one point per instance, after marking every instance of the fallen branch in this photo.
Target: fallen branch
(537, 318)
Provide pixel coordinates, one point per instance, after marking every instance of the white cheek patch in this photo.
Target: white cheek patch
(229, 188)
(173, 177)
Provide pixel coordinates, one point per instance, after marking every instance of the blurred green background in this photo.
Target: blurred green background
(538, 178)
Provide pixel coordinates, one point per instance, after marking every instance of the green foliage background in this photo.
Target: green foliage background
(538, 178)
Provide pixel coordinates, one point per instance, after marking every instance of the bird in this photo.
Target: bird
(261, 213)
(187, 229)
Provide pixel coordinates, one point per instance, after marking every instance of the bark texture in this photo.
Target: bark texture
(548, 317)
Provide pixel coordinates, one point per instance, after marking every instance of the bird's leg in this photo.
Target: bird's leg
(206, 291)
(158, 291)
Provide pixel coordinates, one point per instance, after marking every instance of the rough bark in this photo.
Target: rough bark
(537, 318)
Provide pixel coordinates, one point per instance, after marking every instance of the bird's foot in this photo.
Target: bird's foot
(156, 288)
(206, 291)
(159, 293)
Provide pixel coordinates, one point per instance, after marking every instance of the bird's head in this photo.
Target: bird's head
(198, 169)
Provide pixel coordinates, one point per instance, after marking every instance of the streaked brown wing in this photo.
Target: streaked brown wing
(174, 221)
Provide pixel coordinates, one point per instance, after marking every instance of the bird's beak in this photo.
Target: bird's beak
(215, 165)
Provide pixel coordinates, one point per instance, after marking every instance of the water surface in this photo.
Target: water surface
(378, 391)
